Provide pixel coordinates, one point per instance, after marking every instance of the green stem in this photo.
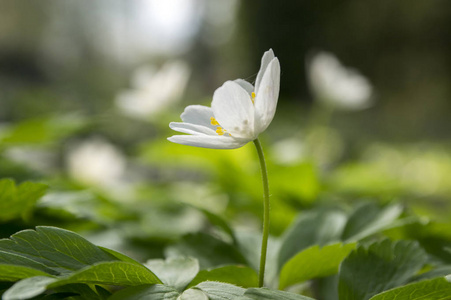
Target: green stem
(261, 156)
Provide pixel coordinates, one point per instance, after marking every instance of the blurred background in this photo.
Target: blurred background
(87, 90)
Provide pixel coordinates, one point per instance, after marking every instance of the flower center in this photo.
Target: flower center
(253, 97)
(219, 129)
(214, 122)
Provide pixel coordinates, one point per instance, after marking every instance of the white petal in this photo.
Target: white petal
(191, 128)
(245, 85)
(268, 56)
(208, 141)
(198, 114)
(233, 109)
(267, 96)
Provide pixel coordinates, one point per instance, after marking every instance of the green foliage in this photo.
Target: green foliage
(313, 262)
(156, 291)
(237, 275)
(368, 218)
(219, 291)
(329, 225)
(210, 251)
(42, 130)
(383, 265)
(52, 250)
(18, 200)
(51, 257)
(10, 272)
(218, 221)
(316, 227)
(249, 244)
(263, 293)
(176, 272)
(434, 289)
(110, 273)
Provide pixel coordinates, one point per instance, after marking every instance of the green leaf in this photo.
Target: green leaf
(109, 273)
(434, 273)
(18, 201)
(112, 273)
(219, 290)
(83, 292)
(14, 273)
(60, 252)
(52, 250)
(264, 293)
(368, 218)
(155, 292)
(312, 263)
(217, 221)
(382, 266)
(193, 294)
(435, 289)
(28, 288)
(249, 243)
(210, 251)
(237, 275)
(42, 130)
(316, 227)
(176, 272)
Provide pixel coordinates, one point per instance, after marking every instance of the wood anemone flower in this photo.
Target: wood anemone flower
(239, 111)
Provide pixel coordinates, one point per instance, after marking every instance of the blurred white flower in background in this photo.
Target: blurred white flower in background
(288, 151)
(335, 85)
(154, 91)
(96, 162)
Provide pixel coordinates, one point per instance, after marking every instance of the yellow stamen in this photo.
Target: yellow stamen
(253, 97)
(220, 131)
(213, 121)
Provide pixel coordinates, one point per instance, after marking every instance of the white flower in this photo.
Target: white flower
(336, 85)
(238, 114)
(96, 162)
(154, 91)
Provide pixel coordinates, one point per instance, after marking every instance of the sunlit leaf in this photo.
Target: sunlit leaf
(111, 273)
(18, 201)
(435, 289)
(42, 130)
(315, 227)
(237, 275)
(14, 272)
(312, 263)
